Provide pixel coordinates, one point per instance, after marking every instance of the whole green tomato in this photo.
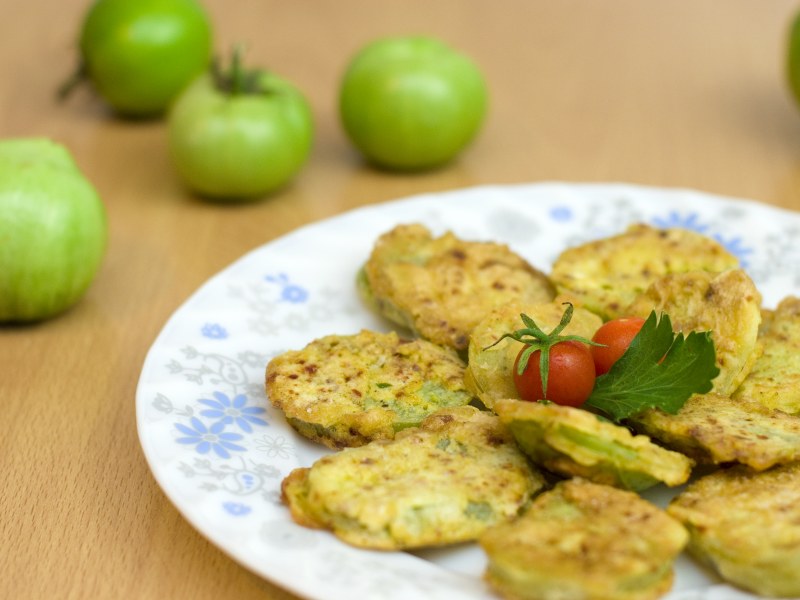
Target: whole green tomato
(139, 54)
(240, 134)
(53, 230)
(411, 102)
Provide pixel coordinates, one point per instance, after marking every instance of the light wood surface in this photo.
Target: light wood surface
(685, 93)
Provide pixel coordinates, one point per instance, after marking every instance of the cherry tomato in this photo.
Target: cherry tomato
(140, 54)
(570, 378)
(411, 102)
(615, 335)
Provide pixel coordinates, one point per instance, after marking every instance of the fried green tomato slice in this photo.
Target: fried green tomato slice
(441, 483)
(490, 366)
(715, 429)
(441, 287)
(346, 390)
(774, 380)
(584, 541)
(746, 525)
(726, 304)
(606, 275)
(573, 442)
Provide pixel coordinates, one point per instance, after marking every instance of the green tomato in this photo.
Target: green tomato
(53, 230)
(793, 58)
(411, 102)
(140, 54)
(239, 135)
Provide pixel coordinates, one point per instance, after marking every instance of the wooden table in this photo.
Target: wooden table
(686, 93)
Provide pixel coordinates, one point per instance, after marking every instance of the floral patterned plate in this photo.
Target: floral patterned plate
(219, 450)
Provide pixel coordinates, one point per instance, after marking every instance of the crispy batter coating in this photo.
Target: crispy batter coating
(489, 374)
(746, 525)
(774, 380)
(584, 541)
(717, 429)
(606, 275)
(442, 287)
(441, 483)
(727, 304)
(574, 442)
(345, 390)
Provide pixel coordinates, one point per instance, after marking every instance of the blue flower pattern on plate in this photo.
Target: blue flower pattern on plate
(237, 509)
(290, 292)
(214, 331)
(227, 411)
(207, 439)
(692, 221)
(561, 213)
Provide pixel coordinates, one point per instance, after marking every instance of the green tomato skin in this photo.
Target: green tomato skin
(140, 54)
(411, 103)
(239, 147)
(793, 59)
(53, 230)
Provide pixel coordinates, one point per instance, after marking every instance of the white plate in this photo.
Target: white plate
(219, 450)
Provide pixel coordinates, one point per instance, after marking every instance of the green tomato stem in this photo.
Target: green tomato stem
(237, 73)
(76, 78)
(237, 80)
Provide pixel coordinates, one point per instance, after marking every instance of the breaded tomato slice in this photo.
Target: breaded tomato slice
(441, 483)
(574, 442)
(441, 287)
(345, 390)
(715, 429)
(606, 275)
(774, 380)
(727, 304)
(490, 367)
(746, 525)
(585, 541)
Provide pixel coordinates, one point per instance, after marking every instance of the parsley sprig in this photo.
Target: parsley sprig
(660, 369)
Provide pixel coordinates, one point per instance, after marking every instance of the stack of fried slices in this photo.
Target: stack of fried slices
(434, 447)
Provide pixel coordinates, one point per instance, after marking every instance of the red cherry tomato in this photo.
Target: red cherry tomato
(616, 336)
(570, 378)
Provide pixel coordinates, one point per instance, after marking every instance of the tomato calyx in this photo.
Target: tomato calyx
(236, 80)
(536, 340)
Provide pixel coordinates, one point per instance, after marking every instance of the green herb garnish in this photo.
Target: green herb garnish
(660, 369)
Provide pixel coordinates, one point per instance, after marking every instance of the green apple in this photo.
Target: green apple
(411, 102)
(53, 230)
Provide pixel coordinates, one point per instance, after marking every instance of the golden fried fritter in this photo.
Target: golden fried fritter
(746, 525)
(717, 429)
(574, 442)
(489, 374)
(727, 304)
(584, 541)
(442, 287)
(606, 275)
(774, 380)
(345, 390)
(441, 483)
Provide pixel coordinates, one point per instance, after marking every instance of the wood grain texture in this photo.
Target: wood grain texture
(686, 93)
